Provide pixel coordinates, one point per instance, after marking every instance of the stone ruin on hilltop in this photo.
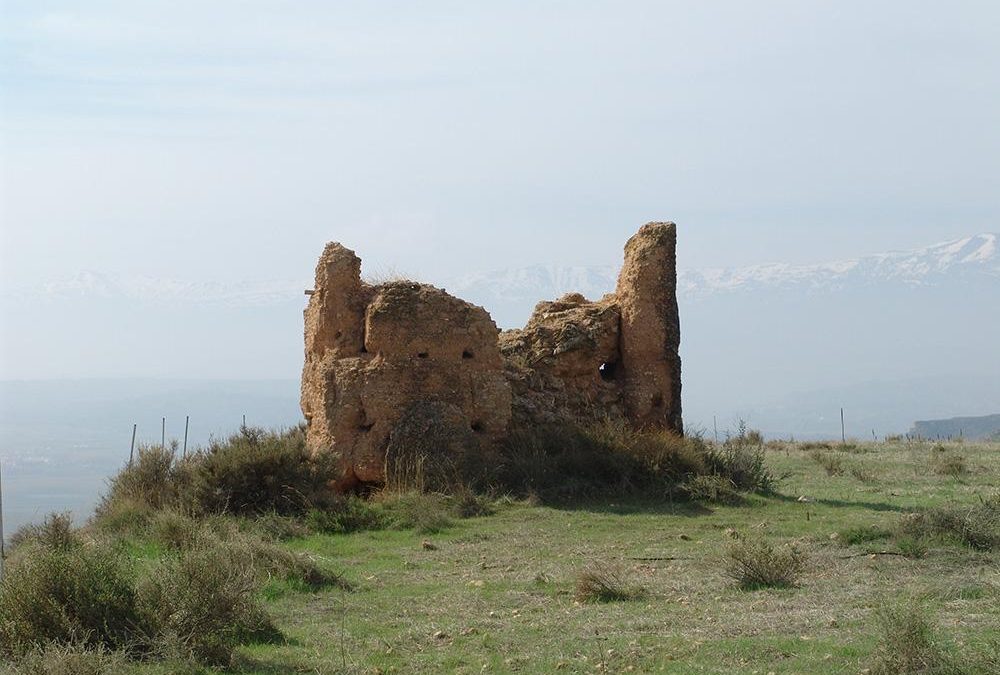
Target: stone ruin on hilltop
(390, 364)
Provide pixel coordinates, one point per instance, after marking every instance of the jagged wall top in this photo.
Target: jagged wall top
(374, 354)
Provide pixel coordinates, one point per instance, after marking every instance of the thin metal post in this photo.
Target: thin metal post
(187, 418)
(843, 433)
(3, 550)
(715, 425)
(163, 432)
(131, 452)
(244, 420)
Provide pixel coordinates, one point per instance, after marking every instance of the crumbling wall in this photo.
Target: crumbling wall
(373, 353)
(380, 359)
(616, 358)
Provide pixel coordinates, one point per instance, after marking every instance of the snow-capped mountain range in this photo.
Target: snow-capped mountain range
(977, 255)
(783, 345)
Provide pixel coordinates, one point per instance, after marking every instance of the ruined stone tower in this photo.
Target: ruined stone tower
(378, 358)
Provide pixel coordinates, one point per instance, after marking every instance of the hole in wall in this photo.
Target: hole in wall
(366, 427)
(337, 335)
(422, 355)
(607, 370)
(657, 400)
(466, 354)
(477, 426)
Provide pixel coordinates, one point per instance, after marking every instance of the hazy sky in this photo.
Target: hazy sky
(229, 140)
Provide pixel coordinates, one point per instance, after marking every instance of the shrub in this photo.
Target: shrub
(560, 463)
(347, 514)
(911, 547)
(180, 533)
(908, 643)
(664, 454)
(258, 471)
(70, 660)
(155, 478)
(123, 515)
(717, 489)
(814, 445)
(280, 563)
(863, 473)
(274, 527)
(425, 513)
(863, 534)
(433, 449)
(54, 533)
(201, 604)
(174, 530)
(741, 460)
(977, 526)
(833, 465)
(759, 564)
(948, 464)
(468, 504)
(79, 595)
(604, 584)
(250, 473)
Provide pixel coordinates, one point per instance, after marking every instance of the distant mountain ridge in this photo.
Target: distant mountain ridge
(986, 427)
(921, 322)
(976, 255)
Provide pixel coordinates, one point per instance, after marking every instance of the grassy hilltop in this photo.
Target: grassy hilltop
(597, 552)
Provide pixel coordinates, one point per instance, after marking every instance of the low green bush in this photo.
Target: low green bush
(201, 604)
(909, 643)
(423, 512)
(54, 659)
(347, 514)
(833, 465)
(55, 533)
(601, 583)
(566, 463)
(863, 534)
(80, 595)
(741, 460)
(756, 563)
(976, 526)
(715, 489)
(250, 473)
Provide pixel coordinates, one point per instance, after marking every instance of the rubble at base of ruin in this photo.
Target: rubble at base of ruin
(384, 363)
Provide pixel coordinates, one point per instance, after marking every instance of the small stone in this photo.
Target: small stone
(428, 546)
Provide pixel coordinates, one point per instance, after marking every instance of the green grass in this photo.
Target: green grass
(498, 593)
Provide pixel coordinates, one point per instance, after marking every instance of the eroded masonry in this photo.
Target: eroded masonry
(385, 363)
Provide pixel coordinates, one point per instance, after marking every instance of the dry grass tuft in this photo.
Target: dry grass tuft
(754, 564)
(908, 643)
(833, 465)
(604, 584)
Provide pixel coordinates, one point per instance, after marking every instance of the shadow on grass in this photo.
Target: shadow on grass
(843, 503)
(622, 506)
